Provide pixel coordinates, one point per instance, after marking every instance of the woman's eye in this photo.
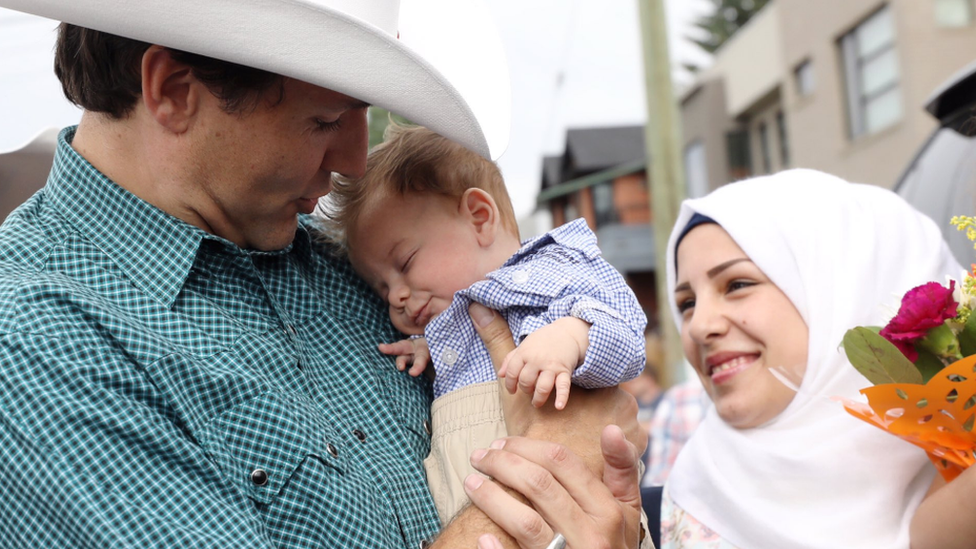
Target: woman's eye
(740, 284)
(686, 305)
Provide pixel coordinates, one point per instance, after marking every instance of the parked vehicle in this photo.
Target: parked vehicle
(24, 171)
(941, 179)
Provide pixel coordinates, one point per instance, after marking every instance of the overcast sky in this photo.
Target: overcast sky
(576, 63)
(573, 63)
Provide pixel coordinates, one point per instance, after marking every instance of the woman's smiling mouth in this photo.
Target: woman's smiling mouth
(724, 366)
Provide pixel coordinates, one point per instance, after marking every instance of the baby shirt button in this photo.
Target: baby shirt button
(520, 276)
(449, 357)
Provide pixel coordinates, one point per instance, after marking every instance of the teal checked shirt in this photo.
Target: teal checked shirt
(162, 387)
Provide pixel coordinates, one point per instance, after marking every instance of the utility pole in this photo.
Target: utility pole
(662, 136)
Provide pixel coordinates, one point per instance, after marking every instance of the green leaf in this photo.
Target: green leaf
(942, 342)
(878, 359)
(967, 338)
(928, 365)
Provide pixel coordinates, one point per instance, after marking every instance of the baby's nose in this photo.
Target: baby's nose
(400, 295)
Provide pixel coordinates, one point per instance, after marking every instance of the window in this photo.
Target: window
(740, 159)
(603, 207)
(872, 75)
(767, 160)
(953, 13)
(696, 169)
(804, 78)
(784, 139)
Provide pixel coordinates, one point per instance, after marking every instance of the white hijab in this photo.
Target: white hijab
(814, 476)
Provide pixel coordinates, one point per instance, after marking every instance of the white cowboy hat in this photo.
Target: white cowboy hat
(349, 46)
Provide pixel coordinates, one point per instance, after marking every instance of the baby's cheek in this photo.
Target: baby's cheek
(403, 323)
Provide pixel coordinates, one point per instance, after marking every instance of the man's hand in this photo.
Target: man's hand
(556, 466)
(546, 360)
(413, 352)
(567, 497)
(580, 424)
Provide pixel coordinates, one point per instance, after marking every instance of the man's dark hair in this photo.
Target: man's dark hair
(101, 72)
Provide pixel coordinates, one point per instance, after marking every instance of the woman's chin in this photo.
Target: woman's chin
(740, 415)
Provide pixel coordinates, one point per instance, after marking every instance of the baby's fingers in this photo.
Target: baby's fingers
(543, 388)
(420, 361)
(528, 379)
(563, 383)
(402, 347)
(402, 361)
(513, 367)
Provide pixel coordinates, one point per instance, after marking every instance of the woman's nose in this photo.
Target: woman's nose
(707, 321)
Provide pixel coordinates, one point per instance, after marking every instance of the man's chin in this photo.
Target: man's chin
(273, 239)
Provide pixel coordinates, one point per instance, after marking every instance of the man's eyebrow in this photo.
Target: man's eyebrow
(714, 271)
(357, 104)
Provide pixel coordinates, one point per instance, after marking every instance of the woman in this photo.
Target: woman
(768, 277)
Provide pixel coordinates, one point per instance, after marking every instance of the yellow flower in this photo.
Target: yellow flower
(965, 223)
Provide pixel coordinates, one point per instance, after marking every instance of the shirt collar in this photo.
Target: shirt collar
(152, 248)
(575, 234)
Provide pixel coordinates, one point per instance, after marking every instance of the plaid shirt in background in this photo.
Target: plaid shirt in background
(676, 417)
(162, 387)
(552, 276)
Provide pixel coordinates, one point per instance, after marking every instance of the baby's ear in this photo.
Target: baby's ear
(479, 208)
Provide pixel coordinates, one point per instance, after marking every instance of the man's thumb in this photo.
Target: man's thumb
(620, 471)
(494, 332)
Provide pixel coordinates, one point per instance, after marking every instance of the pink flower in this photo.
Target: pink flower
(922, 308)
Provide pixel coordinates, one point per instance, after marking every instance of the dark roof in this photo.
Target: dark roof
(593, 149)
(552, 171)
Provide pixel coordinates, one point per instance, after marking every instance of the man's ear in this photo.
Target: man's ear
(169, 90)
(479, 208)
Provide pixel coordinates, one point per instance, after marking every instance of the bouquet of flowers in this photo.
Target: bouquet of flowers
(923, 367)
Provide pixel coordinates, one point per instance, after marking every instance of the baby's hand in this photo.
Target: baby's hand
(409, 351)
(545, 360)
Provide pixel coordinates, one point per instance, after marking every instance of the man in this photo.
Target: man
(185, 367)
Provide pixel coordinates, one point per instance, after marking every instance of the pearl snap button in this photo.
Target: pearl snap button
(332, 450)
(259, 477)
(520, 277)
(360, 435)
(449, 357)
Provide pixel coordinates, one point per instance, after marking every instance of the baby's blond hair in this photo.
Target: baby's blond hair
(413, 159)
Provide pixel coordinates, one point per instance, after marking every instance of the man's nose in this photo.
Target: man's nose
(346, 155)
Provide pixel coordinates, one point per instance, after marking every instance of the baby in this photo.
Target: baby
(431, 228)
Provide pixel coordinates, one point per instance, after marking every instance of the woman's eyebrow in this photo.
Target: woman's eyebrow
(714, 271)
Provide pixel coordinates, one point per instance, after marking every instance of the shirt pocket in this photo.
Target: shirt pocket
(262, 442)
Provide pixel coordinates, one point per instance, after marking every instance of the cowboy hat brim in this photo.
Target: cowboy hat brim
(357, 54)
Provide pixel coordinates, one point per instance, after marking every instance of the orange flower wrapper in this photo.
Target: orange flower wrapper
(937, 416)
